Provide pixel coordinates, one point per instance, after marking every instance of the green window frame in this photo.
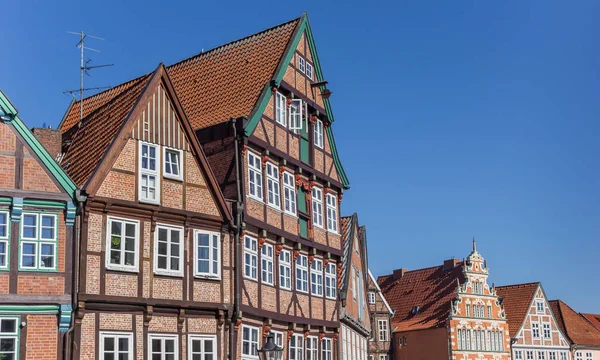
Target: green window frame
(9, 337)
(38, 242)
(4, 240)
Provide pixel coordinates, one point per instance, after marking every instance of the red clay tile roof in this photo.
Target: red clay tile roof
(517, 301)
(594, 319)
(431, 289)
(216, 85)
(574, 325)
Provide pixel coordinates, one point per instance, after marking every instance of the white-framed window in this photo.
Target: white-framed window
(518, 355)
(278, 337)
(250, 342)
(266, 267)
(122, 244)
(316, 277)
(163, 347)
(116, 345)
(468, 310)
(296, 348)
(588, 356)
(296, 116)
(539, 306)
(207, 254)
(312, 348)
(38, 243)
(345, 340)
(318, 134)
(9, 337)
(302, 273)
(309, 70)
(489, 308)
(332, 213)
(326, 349)
(383, 357)
(255, 182)
(529, 354)
(202, 347)
(173, 163)
(551, 355)
(579, 355)
(285, 270)
(4, 239)
(535, 330)
(250, 258)
(371, 297)
(301, 64)
(330, 281)
(477, 287)
(273, 186)
(289, 193)
(317, 206)
(383, 330)
(541, 355)
(280, 108)
(168, 253)
(149, 181)
(354, 283)
(563, 355)
(547, 330)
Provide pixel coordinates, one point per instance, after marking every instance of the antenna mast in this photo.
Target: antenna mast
(84, 67)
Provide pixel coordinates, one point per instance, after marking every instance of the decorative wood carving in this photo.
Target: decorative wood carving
(325, 262)
(266, 330)
(321, 336)
(148, 315)
(242, 234)
(180, 319)
(261, 241)
(264, 160)
(310, 259)
(335, 337)
(290, 333)
(296, 253)
(278, 249)
(244, 150)
(237, 324)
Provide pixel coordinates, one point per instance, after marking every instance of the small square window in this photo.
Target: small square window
(173, 168)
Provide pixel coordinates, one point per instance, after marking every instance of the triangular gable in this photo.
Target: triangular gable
(46, 163)
(303, 29)
(374, 282)
(350, 232)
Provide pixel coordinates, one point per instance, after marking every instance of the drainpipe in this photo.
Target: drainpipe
(238, 208)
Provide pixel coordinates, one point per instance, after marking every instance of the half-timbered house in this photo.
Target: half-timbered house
(380, 344)
(534, 332)
(37, 218)
(155, 257)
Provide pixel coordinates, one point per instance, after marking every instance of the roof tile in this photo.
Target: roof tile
(516, 301)
(575, 325)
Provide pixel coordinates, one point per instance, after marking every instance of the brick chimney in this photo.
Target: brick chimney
(451, 263)
(399, 273)
(50, 138)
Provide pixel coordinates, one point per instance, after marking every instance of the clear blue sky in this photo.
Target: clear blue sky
(453, 118)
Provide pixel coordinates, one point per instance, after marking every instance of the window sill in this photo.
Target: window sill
(252, 197)
(330, 298)
(273, 207)
(169, 274)
(207, 277)
(250, 279)
(151, 202)
(319, 227)
(334, 232)
(20, 269)
(122, 269)
(267, 284)
(292, 215)
(302, 292)
(174, 178)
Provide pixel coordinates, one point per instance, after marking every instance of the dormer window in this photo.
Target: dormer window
(296, 116)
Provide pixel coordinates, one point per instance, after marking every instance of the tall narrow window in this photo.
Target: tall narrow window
(541, 355)
(330, 281)
(250, 258)
(317, 206)
(122, 244)
(316, 277)
(547, 332)
(202, 347)
(249, 342)
(382, 327)
(302, 273)
(149, 189)
(255, 176)
(168, 253)
(535, 330)
(312, 348)
(371, 297)
(296, 348)
(116, 345)
(489, 311)
(208, 254)
(326, 349)
(301, 64)
(267, 264)
(280, 107)
(539, 306)
(278, 335)
(3, 240)
(518, 355)
(38, 242)
(309, 71)
(296, 116)
(163, 347)
(468, 310)
(9, 337)
(332, 213)
(318, 134)
(289, 193)
(285, 270)
(173, 168)
(273, 186)
(551, 355)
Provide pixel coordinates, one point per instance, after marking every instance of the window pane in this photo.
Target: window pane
(129, 259)
(8, 326)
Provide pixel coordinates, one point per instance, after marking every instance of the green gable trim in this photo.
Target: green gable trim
(35, 145)
(13, 309)
(265, 97)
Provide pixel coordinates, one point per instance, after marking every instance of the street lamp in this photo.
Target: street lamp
(270, 350)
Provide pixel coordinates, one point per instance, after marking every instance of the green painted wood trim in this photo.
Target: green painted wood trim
(12, 309)
(44, 203)
(4, 200)
(55, 169)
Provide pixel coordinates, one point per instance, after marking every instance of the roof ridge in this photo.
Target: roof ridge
(420, 269)
(518, 285)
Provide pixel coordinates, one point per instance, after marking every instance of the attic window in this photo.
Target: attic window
(301, 64)
(309, 71)
(415, 310)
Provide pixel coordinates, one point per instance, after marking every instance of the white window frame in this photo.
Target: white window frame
(552, 355)
(266, 264)
(539, 306)
(297, 348)
(529, 355)
(289, 193)
(280, 108)
(253, 346)
(301, 64)
(518, 354)
(255, 171)
(169, 255)
(535, 328)
(383, 330)
(116, 336)
(326, 349)
(121, 267)
(163, 337)
(211, 255)
(5, 239)
(179, 164)
(316, 277)
(273, 186)
(383, 357)
(317, 206)
(372, 297)
(278, 338)
(589, 356)
(38, 241)
(295, 116)
(202, 339)
(148, 172)
(318, 134)
(541, 355)
(312, 348)
(547, 330)
(11, 335)
(302, 274)
(563, 355)
(332, 213)
(285, 270)
(309, 70)
(330, 281)
(252, 253)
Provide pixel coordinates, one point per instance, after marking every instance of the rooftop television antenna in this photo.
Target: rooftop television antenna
(84, 69)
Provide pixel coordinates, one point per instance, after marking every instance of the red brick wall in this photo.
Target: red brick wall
(35, 177)
(42, 337)
(41, 285)
(421, 345)
(51, 139)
